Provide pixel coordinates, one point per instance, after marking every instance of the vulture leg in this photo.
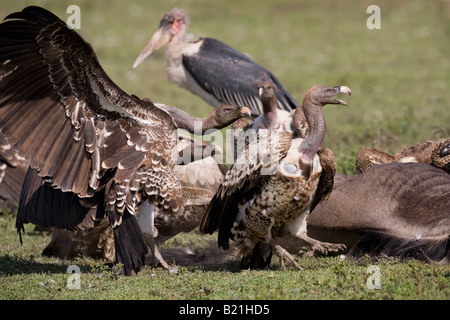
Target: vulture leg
(284, 254)
(149, 240)
(145, 218)
(322, 247)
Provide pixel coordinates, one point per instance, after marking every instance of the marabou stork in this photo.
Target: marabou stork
(211, 69)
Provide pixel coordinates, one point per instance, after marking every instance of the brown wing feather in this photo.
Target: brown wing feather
(63, 113)
(243, 179)
(420, 152)
(76, 122)
(368, 157)
(326, 181)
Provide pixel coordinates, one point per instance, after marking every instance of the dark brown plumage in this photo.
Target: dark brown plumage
(81, 132)
(271, 187)
(199, 181)
(435, 153)
(368, 157)
(395, 209)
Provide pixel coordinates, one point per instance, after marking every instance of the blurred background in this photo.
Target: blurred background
(399, 74)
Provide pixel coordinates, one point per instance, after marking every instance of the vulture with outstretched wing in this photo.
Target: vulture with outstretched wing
(81, 132)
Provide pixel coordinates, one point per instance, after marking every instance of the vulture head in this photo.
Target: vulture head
(270, 118)
(322, 95)
(225, 115)
(303, 156)
(265, 91)
(173, 23)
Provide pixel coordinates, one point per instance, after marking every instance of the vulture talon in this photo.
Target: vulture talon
(284, 254)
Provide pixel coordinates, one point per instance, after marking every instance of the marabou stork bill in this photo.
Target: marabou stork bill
(211, 69)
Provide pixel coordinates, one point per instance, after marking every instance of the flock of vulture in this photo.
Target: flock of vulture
(102, 167)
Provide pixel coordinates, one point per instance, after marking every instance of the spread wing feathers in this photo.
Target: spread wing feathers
(248, 174)
(43, 204)
(232, 77)
(65, 115)
(326, 181)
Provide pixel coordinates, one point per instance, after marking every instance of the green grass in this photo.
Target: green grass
(26, 274)
(399, 76)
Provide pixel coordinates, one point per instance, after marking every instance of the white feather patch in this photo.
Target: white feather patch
(298, 226)
(145, 217)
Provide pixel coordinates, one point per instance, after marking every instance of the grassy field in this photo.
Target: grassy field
(400, 79)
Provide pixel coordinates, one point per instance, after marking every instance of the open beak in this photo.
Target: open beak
(343, 89)
(161, 36)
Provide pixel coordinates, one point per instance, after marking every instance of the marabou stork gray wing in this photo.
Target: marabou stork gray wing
(232, 77)
(248, 174)
(79, 130)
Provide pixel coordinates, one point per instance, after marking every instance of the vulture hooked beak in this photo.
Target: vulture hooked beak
(260, 91)
(265, 90)
(245, 112)
(343, 89)
(161, 36)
